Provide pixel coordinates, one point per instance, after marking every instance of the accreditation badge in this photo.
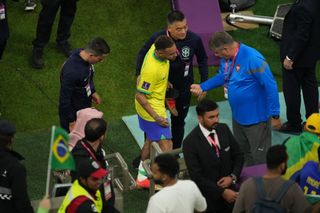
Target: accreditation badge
(88, 89)
(2, 12)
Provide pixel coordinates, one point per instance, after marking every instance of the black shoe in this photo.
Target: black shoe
(290, 129)
(37, 58)
(65, 48)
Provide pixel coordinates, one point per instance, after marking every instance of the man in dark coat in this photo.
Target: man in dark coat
(13, 186)
(299, 53)
(213, 158)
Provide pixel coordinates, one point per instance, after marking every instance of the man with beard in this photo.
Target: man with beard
(213, 158)
(84, 194)
(292, 201)
(177, 196)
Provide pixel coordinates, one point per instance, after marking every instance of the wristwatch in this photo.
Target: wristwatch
(275, 116)
(234, 178)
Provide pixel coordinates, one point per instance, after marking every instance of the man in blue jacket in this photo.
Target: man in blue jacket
(181, 69)
(252, 93)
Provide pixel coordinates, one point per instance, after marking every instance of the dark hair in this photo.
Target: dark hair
(98, 47)
(206, 105)
(276, 155)
(163, 42)
(94, 129)
(219, 39)
(167, 164)
(175, 15)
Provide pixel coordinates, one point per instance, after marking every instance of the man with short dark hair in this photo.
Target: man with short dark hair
(84, 195)
(77, 89)
(177, 196)
(181, 75)
(150, 100)
(292, 201)
(213, 158)
(251, 91)
(13, 185)
(90, 147)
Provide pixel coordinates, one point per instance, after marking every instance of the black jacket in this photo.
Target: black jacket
(75, 75)
(301, 32)
(205, 168)
(13, 187)
(188, 48)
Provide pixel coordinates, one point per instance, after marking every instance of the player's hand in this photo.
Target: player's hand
(96, 98)
(162, 121)
(196, 89)
(169, 86)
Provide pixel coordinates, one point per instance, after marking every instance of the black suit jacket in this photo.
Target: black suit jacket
(300, 34)
(205, 168)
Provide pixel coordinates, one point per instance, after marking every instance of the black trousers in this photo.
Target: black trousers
(47, 16)
(2, 47)
(177, 123)
(293, 82)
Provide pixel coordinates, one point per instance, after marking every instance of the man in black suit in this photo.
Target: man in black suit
(299, 52)
(213, 158)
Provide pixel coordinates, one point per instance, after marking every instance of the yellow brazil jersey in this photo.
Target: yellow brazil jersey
(153, 83)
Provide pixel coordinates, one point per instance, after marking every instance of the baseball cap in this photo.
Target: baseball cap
(6, 128)
(91, 168)
(313, 123)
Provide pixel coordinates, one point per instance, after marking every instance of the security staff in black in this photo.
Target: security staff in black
(77, 87)
(181, 69)
(46, 19)
(13, 187)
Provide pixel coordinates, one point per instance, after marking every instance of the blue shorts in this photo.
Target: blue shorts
(154, 131)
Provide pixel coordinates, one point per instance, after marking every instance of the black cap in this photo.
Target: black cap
(91, 168)
(6, 128)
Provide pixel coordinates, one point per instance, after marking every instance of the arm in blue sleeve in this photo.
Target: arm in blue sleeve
(202, 59)
(143, 51)
(264, 76)
(214, 82)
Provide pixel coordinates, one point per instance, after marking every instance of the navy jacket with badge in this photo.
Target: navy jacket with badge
(4, 28)
(188, 48)
(76, 74)
(13, 187)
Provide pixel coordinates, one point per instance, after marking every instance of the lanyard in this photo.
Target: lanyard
(227, 70)
(90, 152)
(213, 142)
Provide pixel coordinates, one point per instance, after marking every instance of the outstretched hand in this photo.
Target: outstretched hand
(196, 89)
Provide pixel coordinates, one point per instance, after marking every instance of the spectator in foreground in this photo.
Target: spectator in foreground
(177, 196)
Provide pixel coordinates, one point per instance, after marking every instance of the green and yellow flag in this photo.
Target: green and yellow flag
(61, 158)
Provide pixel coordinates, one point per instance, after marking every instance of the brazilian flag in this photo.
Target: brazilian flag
(61, 159)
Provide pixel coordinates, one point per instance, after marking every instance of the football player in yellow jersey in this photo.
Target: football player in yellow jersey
(150, 100)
